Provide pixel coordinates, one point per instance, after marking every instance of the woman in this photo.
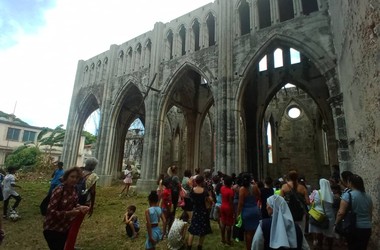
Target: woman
(87, 198)
(200, 222)
(63, 208)
(362, 206)
(188, 208)
(265, 193)
(323, 202)
(226, 210)
(278, 231)
(249, 194)
(301, 191)
(175, 186)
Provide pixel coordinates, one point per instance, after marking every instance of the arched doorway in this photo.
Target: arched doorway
(283, 81)
(188, 127)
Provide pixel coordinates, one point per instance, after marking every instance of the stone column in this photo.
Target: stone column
(224, 103)
(71, 141)
(255, 16)
(104, 147)
(297, 7)
(202, 35)
(275, 14)
(151, 157)
(336, 103)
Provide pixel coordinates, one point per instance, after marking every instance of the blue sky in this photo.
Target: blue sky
(41, 42)
(20, 17)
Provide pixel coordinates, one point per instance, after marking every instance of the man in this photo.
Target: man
(56, 177)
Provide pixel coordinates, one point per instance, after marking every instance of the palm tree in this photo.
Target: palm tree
(50, 138)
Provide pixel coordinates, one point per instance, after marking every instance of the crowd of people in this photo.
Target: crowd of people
(264, 214)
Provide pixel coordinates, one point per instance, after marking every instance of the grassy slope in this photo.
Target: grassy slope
(104, 230)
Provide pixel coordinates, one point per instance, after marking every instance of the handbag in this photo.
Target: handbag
(348, 224)
(208, 203)
(317, 218)
(44, 204)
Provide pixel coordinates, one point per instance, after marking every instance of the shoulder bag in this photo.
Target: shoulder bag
(317, 218)
(348, 224)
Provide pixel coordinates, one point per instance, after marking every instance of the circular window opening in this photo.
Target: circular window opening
(294, 112)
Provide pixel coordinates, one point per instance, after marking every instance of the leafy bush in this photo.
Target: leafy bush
(23, 156)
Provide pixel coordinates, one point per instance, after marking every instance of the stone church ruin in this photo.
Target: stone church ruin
(252, 85)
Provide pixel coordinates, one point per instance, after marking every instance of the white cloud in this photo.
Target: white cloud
(39, 71)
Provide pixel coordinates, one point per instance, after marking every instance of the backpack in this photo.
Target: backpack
(296, 205)
(81, 190)
(174, 185)
(45, 202)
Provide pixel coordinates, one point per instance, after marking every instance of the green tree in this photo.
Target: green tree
(90, 138)
(23, 156)
(50, 138)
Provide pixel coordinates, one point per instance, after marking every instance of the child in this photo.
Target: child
(152, 216)
(166, 200)
(9, 192)
(177, 233)
(131, 221)
(127, 180)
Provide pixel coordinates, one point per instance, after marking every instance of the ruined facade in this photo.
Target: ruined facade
(209, 84)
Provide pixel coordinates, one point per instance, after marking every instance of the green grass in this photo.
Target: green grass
(104, 230)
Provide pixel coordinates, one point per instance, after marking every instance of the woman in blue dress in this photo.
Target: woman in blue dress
(249, 194)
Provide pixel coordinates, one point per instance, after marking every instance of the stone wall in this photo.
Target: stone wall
(356, 31)
(297, 141)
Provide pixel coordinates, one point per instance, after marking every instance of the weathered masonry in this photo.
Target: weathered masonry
(251, 85)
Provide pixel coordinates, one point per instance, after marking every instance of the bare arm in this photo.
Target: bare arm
(283, 190)
(149, 226)
(241, 200)
(126, 218)
(15, 185)
(342, 211)
(163, 224)
(257, 192)
(306, 196)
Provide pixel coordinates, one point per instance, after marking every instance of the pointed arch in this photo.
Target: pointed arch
(244, 18)
(211, 29)
(320, 57)
(169, 45)
(182, 32)
(195, 35)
